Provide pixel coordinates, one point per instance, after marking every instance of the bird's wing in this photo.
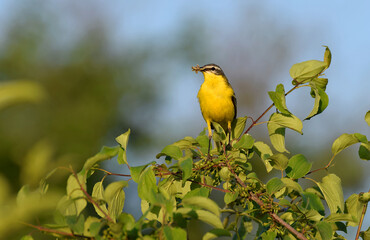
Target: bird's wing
(233, 98)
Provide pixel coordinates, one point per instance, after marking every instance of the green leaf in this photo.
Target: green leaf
(290, 121)
(202, 192)
(264, 151)
(185, 143)
(203, 141)
(298, 166)
(122, 140)
(319, 83)
(137, 171)
(225, 173)
(171, 151)
(115, 198)
(174, 233)
(238, 126)
(291, 184)
(327, 56)
(269, 235)
(245, 142)
(92, 227)
(364, 151)
(325, 230)
(274, 185)
(27, 237)
(14, 92)
(345, 140)
(76, 223)
(219, 134)
(354, 207)
(104, 154)
(313, 215)
(331, 188)
(367, 118)
(230, 197)
(277, 136)
(321, 102)
(147, 185)
(337, 217)
(76, 194)
(202, 202)
(312, 201)
(187, 167)
(278, 98)
(209, 218)
(215, 233)
(279, 161)
(98, 196)
(305, 71)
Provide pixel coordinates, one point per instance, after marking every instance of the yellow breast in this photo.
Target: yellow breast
(215, 99)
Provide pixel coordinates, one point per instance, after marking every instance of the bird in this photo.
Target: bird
(216, 99)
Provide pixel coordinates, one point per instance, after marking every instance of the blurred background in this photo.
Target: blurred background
(74, 75)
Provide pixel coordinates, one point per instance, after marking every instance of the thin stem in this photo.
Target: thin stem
(268, 109)
(324, 168)
(49, 230)
(90, 199)
(361, 220)
(113, 174)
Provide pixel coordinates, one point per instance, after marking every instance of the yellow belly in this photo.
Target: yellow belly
(216, 103)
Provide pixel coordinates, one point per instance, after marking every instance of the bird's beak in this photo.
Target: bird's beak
(196, 69)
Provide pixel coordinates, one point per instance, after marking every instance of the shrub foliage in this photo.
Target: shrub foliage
(177, 191)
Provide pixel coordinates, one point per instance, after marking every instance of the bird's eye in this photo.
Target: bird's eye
(213, 68)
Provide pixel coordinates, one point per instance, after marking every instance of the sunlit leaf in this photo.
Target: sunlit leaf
(264, 151)
(325, 230)
(345, 140)
(209, 218)
(216, 233)
(327, 56)
(321, 102)
(104, 154)
(186, 166)
(123, 140)
(305, 71)
(288, 121)
(278, 98)
(171, 151)
(274, 185)
(354, 207)
(147, 185)
(279, 161)
(115, 198)
(203, 203)
(230, 197)
(245, 142)
(75, 192)
(312, 201)
(298, 166)
(238, 126)
(364, 151)
(98, 196)
(332, 190)
(174, 233)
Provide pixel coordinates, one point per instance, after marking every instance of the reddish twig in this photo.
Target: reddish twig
(54, 231)
(89, 198)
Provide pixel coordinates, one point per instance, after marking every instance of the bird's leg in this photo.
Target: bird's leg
(229, 130)
(209, 138)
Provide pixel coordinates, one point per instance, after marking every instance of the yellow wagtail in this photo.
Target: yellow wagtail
(216, 98)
